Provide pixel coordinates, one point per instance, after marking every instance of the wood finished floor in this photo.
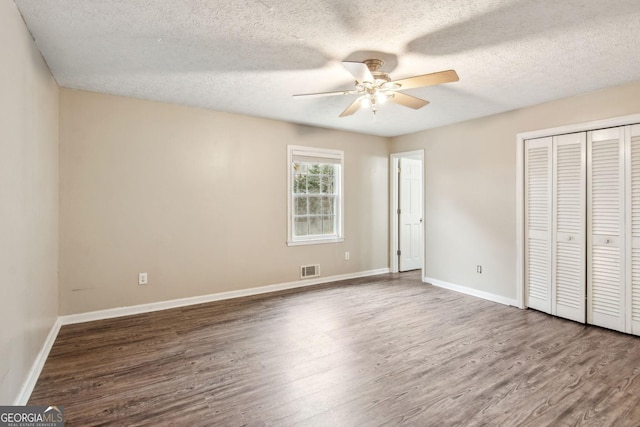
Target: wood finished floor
(387, 350)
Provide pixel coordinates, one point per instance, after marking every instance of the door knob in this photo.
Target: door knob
(606, 240)
(570, 238)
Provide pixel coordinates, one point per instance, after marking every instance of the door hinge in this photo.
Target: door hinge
(398, 211)
(398, 252)
(398, 171)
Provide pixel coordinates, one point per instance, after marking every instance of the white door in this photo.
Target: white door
(633, 229)
(410, 217)
(606, 224)
(538, 229)
(569, 222)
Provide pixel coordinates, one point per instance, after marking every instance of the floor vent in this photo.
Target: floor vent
(307, 271)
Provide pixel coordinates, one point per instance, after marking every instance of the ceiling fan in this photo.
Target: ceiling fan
(375, 87)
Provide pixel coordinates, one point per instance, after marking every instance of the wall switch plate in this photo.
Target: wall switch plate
(479, 269)
(143, 279)
(347, 256)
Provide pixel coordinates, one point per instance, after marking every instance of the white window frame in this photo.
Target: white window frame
(315, 154)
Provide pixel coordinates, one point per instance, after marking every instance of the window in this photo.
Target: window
(315, 195)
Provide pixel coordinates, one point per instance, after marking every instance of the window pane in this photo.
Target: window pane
(328, 224)
(315, 225)
(315, 205)
(299, 184)
(328, 205)
(301, 205)
(327, 169)
(315, 168)
(300, 168)
(327, 185)
(301, 226)
(313, 183)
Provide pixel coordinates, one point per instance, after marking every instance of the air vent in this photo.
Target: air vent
(307, 271)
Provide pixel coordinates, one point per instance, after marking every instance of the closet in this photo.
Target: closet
(582, 226)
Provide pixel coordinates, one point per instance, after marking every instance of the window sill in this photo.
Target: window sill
(315, 241)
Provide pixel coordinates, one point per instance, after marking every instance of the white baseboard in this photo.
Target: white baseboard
(38, 364)
(471, 291)
(182, 302)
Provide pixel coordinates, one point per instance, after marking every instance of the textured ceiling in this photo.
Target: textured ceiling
(249, 57)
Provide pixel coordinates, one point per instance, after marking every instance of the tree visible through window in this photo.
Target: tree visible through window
(315, 199)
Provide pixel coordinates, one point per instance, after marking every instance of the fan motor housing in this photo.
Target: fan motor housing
(374, 66)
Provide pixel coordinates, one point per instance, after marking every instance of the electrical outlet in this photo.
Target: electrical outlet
(143, 279)
(479, 269)
(347, 256)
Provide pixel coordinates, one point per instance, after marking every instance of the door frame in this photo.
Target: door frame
(394, 160)
(520, 171)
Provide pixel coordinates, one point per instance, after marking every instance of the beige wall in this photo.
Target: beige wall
(197, 199)
(470, 176)
(28, 202)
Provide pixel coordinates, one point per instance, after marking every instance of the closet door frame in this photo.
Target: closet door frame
(520, 179)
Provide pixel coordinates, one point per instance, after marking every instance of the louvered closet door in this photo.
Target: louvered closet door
(605, 216)
(538, 230)
(569, 223)
(633, 229)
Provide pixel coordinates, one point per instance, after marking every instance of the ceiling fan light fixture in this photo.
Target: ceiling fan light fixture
(381, 98)
(374, 87)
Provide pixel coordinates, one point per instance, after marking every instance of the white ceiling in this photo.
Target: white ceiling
(250, 56)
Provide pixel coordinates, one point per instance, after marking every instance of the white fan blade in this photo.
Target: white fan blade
(359, 70)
